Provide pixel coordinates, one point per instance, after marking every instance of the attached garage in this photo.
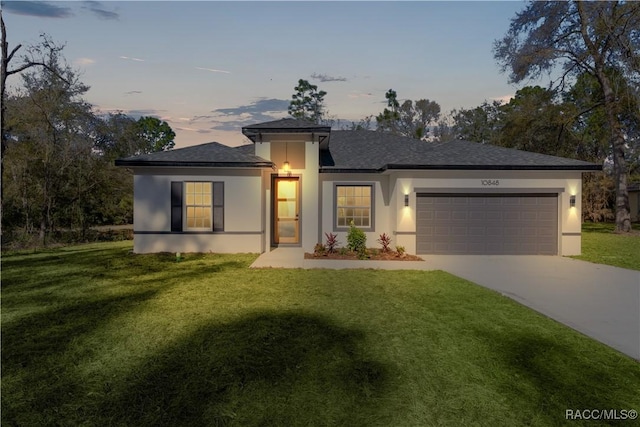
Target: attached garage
(487, 224)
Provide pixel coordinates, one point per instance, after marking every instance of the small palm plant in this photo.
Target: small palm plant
(385, 241)
(332, 242)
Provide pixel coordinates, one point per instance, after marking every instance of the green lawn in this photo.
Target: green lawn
(94, 335)
(602, 246)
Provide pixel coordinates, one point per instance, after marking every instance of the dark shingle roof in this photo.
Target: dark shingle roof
(370, 151)
(212, 154)
(352, 151)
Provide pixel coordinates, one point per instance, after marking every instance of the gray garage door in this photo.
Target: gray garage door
(487, 224)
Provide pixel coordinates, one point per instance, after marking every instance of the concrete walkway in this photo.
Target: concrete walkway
(601, 301)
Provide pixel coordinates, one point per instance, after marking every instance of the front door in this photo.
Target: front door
(286, 226)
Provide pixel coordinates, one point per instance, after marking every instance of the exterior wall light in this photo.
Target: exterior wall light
(406, 200)
(572, 201)
(286, 165)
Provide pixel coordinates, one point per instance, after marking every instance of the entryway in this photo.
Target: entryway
(286, 210)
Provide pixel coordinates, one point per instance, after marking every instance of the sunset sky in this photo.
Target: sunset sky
(208, 68)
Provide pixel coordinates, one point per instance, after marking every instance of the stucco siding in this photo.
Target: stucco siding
(391, 216)
(565, 184)
(243, 212)
(199, 243)
(382, 214)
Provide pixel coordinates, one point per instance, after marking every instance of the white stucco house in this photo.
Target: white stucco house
(297, 180)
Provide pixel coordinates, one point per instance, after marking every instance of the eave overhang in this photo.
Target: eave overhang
(255, 134)
(144, 163)
(390, 167)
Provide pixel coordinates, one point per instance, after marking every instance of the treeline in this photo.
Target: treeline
(58, 155)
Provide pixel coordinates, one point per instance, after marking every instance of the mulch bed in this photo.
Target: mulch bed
(373, 255)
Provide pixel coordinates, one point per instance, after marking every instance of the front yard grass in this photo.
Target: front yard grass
(94, 335)
(602, 246)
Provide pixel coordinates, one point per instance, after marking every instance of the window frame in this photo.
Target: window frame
(179, 207)
(186, 205)
(371, 207)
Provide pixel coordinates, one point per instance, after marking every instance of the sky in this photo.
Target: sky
(208, 67)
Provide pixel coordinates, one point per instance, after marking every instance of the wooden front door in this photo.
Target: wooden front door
(286, 203)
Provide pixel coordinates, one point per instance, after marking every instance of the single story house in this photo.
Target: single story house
(297, 180)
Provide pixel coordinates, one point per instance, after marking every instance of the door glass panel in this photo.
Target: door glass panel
(286, 209)
(287, 229)
(287, 189)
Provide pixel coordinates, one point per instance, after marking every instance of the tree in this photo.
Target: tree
(115, 136)
(36, 56)
(583, 37)
(118, 135)
(154, 135)
(408, 119)
(480, 124)
(48, 145)
(535, 120)
(307, 102)
(388, 119)
(362, 124)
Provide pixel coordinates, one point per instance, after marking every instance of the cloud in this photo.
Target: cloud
(204, 131)
(97, 9)
(213, 70)
(136, 114)
(200, 118)
(131, 59)
(355, 95)
(261, 110)
(133, 92)
(84, 61)
(261, 106)
(236, 125)
(327, 78)
(40, 9)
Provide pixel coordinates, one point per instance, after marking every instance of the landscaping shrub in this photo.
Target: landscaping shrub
(319, 249)
(356, 239)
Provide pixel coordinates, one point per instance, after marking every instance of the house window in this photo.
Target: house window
(354, 203)
(197, 206)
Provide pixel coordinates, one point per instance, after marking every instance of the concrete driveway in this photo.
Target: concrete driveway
(600, 301)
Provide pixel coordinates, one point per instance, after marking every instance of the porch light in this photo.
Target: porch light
(572, 201)
(286, 166)
(406, 200)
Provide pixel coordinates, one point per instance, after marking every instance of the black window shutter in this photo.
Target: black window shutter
(176, 206)
(218, 206)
